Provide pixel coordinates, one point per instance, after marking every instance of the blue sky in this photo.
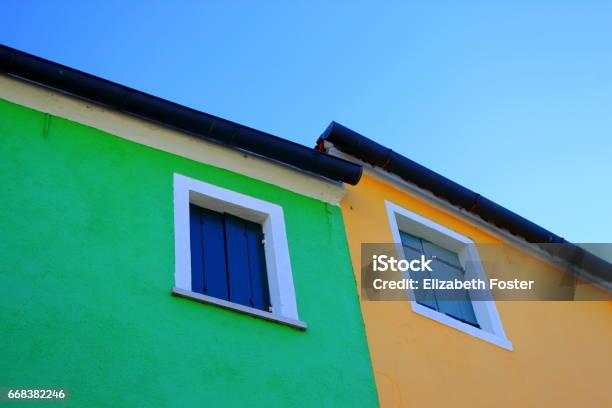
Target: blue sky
(512, 99)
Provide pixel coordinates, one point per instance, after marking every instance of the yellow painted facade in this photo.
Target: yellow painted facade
(561, 354)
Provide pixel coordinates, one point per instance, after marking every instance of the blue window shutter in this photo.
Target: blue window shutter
(215, 269)
(425, 297)
(237, 261)
(227, 258)
(446, 298)
(433, 250)
(467, 310)
(455, 303)
(411, 241)
(257, 265)
(197, 267)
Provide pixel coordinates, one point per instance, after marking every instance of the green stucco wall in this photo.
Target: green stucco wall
(87, 265)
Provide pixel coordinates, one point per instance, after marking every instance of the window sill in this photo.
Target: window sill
(239, 308)
(461, 326)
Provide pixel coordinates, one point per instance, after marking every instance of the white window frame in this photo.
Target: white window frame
(491, 328)
(271, 217)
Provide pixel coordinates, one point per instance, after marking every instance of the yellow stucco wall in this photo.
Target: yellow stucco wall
(562, 350)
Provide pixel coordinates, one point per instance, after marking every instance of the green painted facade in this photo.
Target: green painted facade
(87, 265)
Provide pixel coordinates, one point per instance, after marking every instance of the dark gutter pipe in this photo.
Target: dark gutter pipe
(202, 125)
(359, 146)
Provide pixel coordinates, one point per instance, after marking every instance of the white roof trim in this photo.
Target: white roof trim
(148, 133)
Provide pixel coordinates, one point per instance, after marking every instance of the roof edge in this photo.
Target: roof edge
(371, 152)
(71, 81)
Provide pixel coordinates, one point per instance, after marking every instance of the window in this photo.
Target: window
(456, 257)
(227, 258)
(231, 251)
(445, 266)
